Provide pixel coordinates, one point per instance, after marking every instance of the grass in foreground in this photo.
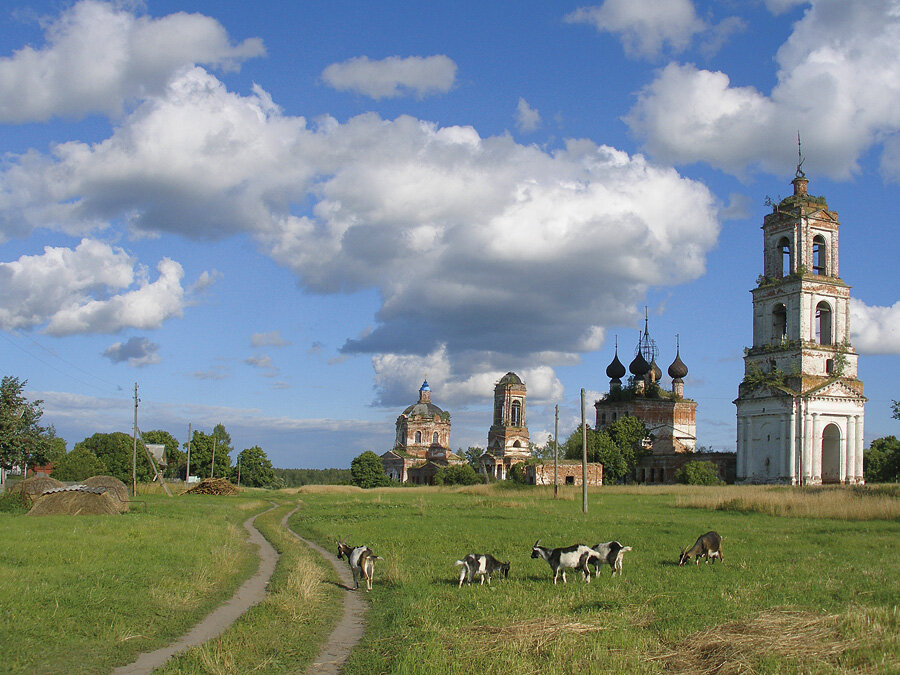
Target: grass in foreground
(82, 594)
(794, 594)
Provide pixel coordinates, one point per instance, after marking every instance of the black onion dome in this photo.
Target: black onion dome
(678, 370)
(657, 373)
(615, 370)
(639, 366)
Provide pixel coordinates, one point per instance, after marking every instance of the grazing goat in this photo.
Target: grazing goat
(708, 545)
(362, 562)
(560, 559)
(482, 565)
(612, 553)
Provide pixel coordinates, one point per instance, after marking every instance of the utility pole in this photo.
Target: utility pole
(187, 474)
(212, 467)
(583, 457)
(239, 470)
(556, 452)
(134, 447)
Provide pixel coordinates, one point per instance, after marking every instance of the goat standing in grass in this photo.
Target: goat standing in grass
(574, 557)
(611, 553)
(707, 546)
(362, 562)
(482, 565)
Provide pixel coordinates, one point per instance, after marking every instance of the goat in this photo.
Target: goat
(708, 546)
(574, 557)
(612, 553)
(483, 565)
(362, 562)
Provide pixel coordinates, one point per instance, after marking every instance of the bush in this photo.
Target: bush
(881, 462)
(14, 502)
(699, 473)
(367, 471)
(517, 474)
(459, 474)
(79, 464)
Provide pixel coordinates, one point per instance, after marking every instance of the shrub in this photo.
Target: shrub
(699, 473)
(459, 474)
(367, 471)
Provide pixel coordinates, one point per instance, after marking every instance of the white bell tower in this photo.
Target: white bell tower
(800, 407)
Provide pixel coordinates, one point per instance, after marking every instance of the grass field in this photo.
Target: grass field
(794, 595)
(798, 593)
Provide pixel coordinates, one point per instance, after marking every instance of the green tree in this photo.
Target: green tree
(517, 474)
(79, 464)
(202, 452)
(457, 474)
(545, 452)
(255, 469)
(600, 448)
(367, 471)
(56, 446)
(472, 454)
(23, 441)
(698, 473)
(629, 434)
(115, 451)
(881, 462)
(895, 409)
(174, 456)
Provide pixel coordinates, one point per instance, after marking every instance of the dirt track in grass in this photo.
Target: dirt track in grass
(350, 629)
(216, 622)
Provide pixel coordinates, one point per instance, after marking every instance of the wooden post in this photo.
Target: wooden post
(187, 473)
(556, 452)
(583, 457)
(134, 447)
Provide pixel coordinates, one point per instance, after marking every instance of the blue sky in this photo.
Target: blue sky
(283, 216)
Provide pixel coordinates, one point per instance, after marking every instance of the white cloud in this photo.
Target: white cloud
(646, 27)
(263, 363)
(271, 339)
(781, 6)
(845, 53)
(875, 330)
(527, 118)
(76, 291)
(98, 55)
(393, 76)
(137, 351)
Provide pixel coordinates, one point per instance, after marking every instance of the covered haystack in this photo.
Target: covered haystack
(34, 487)
(76, 501)
(116, 489)
(213, 486)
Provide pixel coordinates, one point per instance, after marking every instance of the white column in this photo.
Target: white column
(790, 465)
(816, 449)
(844, 451)
(851, 449)
(860, 476)
(741, 449)
(807, 447)
(748, 431)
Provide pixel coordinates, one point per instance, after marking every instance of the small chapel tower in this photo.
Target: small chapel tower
(508, 435)
(800, 407)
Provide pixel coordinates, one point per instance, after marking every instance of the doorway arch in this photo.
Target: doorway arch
(831, 454)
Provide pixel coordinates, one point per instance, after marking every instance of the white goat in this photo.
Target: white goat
(574, 557)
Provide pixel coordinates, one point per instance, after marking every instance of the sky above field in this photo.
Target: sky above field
(283, 216)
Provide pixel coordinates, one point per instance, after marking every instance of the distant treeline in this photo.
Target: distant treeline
(298, 477)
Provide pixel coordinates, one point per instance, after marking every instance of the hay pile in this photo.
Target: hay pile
(34, 487)
(213, 486)
(75, 502)
(114, 487)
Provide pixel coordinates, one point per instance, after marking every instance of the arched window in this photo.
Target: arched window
(823, 324)
(418, 437)
(819, 258)
(779, 323)
(434, 438)
(786, 258)
(515, 418)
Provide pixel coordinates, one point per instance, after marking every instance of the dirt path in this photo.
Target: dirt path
(250, 593)
(350, 629)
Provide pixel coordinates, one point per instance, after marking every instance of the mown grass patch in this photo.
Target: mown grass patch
(82, 594)
(817, 574)
(283, 633)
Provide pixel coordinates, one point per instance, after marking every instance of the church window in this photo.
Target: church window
(779, 322)
(829, 366)
(516, 414)
(819, 254)
(434, 438)
(418, 437)
(823, 324)
(786, 258)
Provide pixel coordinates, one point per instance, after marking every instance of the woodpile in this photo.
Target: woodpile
(213, 486)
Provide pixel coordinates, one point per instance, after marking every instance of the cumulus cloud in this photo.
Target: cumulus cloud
(263, 363)
(527, 118)
(782, 6)
(93, 288)
(875, 330)
(271, 339)
(137, 351)
(97, 56)
(393, 76)
(845, 53)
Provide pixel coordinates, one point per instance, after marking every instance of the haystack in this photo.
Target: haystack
(114, 487)
(76, 502)
(213, 486)
(34, 487)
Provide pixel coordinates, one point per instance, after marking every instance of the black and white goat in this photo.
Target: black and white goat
(361, 560)
(707, 546)
(484, 565)
(611, 553)
(574, 557)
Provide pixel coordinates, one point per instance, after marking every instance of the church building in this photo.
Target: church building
(508, 436)
(800, 407)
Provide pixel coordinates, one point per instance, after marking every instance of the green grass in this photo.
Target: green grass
(837, 580)
(82, 594)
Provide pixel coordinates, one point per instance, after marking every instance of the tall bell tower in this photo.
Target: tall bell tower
(800, 407)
